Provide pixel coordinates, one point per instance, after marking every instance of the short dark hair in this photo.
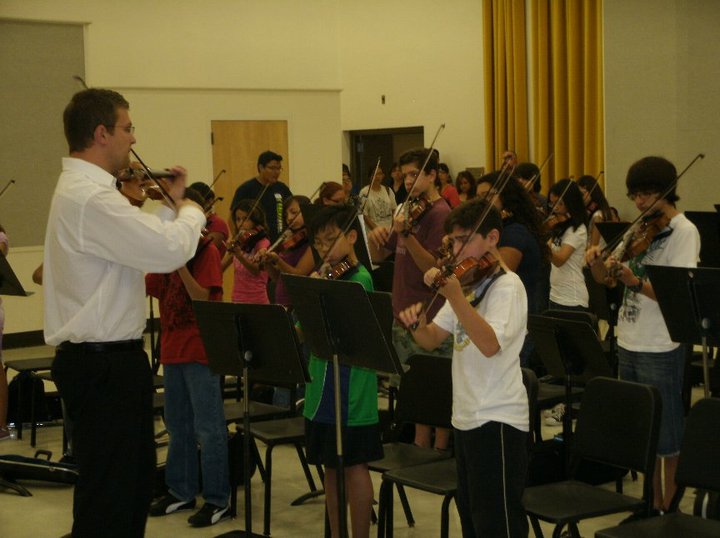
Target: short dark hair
(204, 190)
(346, 169)
(417, 156)
(86, 110)
(526, 171)
(331, 215)
(444, 167)
(466, 216)
(266, 156)
(196, 196)
(655, 174)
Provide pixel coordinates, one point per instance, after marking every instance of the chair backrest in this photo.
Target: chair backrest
(618, 424)
(531, 386)
(574, 315)
(698, 466)
(425, 394)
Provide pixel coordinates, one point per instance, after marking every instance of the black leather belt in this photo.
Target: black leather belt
(101, 347)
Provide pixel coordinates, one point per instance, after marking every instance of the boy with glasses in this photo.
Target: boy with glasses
(645, 351)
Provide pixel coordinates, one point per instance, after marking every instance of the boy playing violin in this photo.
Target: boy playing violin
(361, 437)
(487, 321)
(414, 240)
(646, 354)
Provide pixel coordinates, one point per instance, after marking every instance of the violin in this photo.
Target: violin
(469, 272)
(246, 240)
(556, 218)
(641, 238)
(417, 209)
(343, 267)
(295, 240)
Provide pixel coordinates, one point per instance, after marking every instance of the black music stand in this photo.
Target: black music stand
(572, 351)
(240, 338)
(9, 283)
(689, 299)
(612, 231)
(708, 224)
(343, 335)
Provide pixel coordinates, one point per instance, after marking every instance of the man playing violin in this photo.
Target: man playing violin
(414, 240)
(97, 248)
(486, 319)
(646, 353)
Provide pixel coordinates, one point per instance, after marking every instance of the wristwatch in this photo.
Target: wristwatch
(637, 288)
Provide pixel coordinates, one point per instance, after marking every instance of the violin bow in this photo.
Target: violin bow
(355, 212)
(506, 174)
(281, 237)
(427, 159)
(531, 182)
(6, 187)
(612, 245)
(562, 195)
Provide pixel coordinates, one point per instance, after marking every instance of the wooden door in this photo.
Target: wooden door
(236, 146)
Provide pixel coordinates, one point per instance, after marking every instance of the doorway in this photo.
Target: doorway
(388, 144)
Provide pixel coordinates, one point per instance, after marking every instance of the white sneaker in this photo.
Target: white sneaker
(556, 416)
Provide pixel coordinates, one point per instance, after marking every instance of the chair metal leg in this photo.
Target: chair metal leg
(382, 508)
(305, 467)
(33, 424)
(268, 489)
(389, 523)
(314, 492)
(405, 505)
(256, 452)
(445, 516)
(536, 526)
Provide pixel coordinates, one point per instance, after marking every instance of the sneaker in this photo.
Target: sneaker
(169, 504)
(556, 416)
(208, 515)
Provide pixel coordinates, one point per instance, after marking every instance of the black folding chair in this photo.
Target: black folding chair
(618, 425)
(697, 468)
(424, 397)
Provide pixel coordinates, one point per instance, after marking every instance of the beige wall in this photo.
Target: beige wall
(662, 93)
(426, 58)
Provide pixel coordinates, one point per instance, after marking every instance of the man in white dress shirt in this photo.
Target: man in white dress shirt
(97, 249)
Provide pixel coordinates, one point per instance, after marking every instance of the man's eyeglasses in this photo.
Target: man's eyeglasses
(130, 129)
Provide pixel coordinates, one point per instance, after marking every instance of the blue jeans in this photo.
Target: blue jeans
(665, 371)
(194, 415)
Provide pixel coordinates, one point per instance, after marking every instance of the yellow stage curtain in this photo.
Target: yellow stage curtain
(505, 69)
(567, 62)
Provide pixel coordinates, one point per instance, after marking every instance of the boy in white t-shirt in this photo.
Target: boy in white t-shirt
(646, 353)
(487, 320)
